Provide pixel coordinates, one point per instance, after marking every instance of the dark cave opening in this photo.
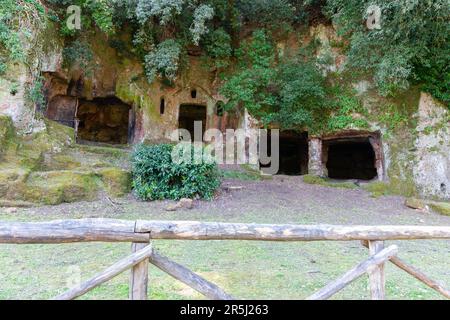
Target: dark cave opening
(293, 155)
(105, 120)
(351, 159)
(162, 106)
(189, 114)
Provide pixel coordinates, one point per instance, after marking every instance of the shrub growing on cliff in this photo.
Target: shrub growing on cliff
(289, 92)
(198, 28)
(17, 18)
(218, 48)
(94, 12)
(163, 61)
(412, 44)
(270, 14)
(78, 54)
(156, 176)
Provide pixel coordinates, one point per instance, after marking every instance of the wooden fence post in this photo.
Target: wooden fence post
(139, 275)
(376, 273)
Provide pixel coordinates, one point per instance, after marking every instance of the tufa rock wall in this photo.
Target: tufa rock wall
(431, 173)
(413, 129)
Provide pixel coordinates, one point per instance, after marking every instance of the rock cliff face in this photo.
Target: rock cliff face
(114, 103)
(432, 149)
(154, 108)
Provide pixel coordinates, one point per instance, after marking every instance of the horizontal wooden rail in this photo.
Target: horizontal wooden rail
(64, 231)
(140, 232)
(110, 230)
(193, 230)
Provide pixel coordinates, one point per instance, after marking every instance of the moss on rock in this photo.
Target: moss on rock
(440, 207)
(47, 168)
(6, 133)
(30, 150)
(415, 203)
(11, 179)
(16, 204)
(378, 189)
(312, 179)
(60, 162)
(56, 187)
(116, 181)
(106, 151)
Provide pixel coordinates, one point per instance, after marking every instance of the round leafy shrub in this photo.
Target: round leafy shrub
(157, 177)
(163, 61)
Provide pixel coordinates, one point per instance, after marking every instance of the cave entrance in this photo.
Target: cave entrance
(189, 113)
(105, 120)
(293, 154)
(350, 158)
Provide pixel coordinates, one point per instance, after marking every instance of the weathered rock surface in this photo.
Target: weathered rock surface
(116, 181)
(432, 172)
(47, 168)
(183, 203)
(416, 158)
(415, 203)
(6, 132)
(440, 207)
(186, 203)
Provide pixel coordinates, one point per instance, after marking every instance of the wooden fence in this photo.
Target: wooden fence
(140, 233)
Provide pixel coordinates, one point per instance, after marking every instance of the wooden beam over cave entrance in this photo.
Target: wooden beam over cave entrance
(347, 155)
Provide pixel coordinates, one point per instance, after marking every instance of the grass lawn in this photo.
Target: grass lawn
(245, 269)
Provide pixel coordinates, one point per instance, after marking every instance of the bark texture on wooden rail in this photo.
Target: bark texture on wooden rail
(354, 273)
(193, 280)
(110, 230)
(107, 274)
(194, 230)
(76, 230)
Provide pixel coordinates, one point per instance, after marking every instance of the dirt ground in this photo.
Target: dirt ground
(283, 199)
(246, 269)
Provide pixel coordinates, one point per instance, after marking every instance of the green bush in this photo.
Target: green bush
(78, 54)
(16, 19)
(412, 45)
(218, 48)
(270, 14)
(157, 177)
(163, 61)
(288, 93)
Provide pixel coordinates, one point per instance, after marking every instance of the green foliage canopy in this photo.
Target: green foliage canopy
(412, 45)
(288, 93)
(16, 17)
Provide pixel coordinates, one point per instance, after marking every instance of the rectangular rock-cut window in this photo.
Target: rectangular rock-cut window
(189, 113)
